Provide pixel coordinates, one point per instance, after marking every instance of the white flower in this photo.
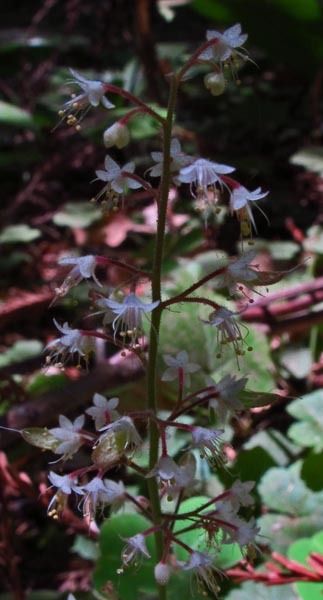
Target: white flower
(172, 477)
(69, 436)
(135, 550)
(178, 159)
(239, 203)
(116, 182)
(65, 485)
(127, 315)
(83, 267)
(241, 271)
(179, 368)
(125, 426)
(226, 45)
(201, 564)
(244, 533)
(71, 342)
(228, 331)
(227, 400)
(101, 491)
(115, 494)
(240, 494)
(103, 411)
(207, 441)
(93, 92)
(116, 135)
(201, 174)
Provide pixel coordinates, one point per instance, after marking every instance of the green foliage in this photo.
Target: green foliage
(300, 551)
(195, 539)
(14, 115)
(294, 510)
(133, 581)
(19, 351)
(308, 410)
(77, 214)
(14, 234)
(252, 591)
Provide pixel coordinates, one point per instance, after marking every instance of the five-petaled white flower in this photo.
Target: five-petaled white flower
(226, 45)
(239, 203)
(135, 550)
(83, 267)
(172, 477)
(73, 341)
(178, 159)
(202, 174)
(126, 315)
(99, 492)
(103, 411)
(227, 400)
(68, 435)
(117, 182)
(240, 494)
(179, 368)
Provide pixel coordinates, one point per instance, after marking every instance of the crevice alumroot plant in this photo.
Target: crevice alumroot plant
(180, 536)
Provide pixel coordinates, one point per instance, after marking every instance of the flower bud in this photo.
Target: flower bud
(215, 83)
(162, 573)
(116, 135)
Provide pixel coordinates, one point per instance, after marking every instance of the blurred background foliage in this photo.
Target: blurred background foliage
(270, 127)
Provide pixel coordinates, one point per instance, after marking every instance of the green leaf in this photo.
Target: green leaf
(294, 510)
(256, 591)
(21, 350)
(45, 383)
(14, 115)
(309, 410)
(133, 580)
(312, 472)
(18, 233)
(213, 9)
(275, 444)
(85, 548)
(77, 214)
(300, 551)
(309, 158)
(196, 539)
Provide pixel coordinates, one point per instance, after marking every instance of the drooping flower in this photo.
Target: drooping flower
(73, 341)
(65, 484)
(127, 315)
(100, 492)
(179, 368)
(178, 159)
(240, 200)
(125, 426)
(93, 93)
(135, 550)
(201, 565)
(208, 442)
(69, 436)
(215, 83)
(117, 182)
(83, 267)
(202, 174)
(103, 411)
(226, 44)
(228, 331)
(116, 135)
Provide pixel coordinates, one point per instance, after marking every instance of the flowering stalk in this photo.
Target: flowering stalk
(156, 318)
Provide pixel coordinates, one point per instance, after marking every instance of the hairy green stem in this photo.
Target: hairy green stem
(156, 319)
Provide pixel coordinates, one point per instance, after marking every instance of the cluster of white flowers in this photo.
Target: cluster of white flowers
(113, 438)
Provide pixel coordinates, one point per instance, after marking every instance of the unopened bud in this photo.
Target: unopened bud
(215, 83)
(116, 135)
(162, 573)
